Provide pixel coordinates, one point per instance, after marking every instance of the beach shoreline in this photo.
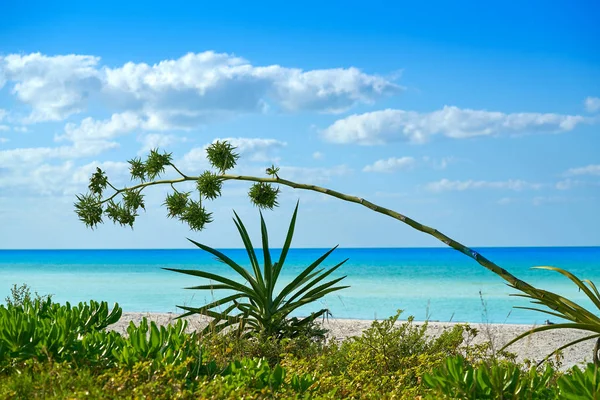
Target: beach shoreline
(535, 347)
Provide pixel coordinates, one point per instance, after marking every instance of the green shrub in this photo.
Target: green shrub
(458, 379)
(42, 329)
(581, 384)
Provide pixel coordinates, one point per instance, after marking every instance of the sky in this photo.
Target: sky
(479, 120)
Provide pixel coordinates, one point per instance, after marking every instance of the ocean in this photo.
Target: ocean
(438, 284)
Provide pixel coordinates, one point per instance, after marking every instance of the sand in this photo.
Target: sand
(535, 347)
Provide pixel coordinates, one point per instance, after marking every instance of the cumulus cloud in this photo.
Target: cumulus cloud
(445, 185)
(592, 169)
(592, 104)
(255, 149)
(157, 141)
(59, 179)
(380, 127)
(4, 140)
(54, 86)
(317, 155)
(390, 165)
(314, 175)
(184, 92)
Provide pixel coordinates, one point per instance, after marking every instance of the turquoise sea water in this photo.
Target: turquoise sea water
(438, 283)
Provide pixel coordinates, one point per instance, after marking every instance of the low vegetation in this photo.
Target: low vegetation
(53, 351)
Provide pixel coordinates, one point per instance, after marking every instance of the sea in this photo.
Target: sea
(436, 284)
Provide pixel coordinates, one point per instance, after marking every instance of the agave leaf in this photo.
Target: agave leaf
(219, 302)
(293, 285)
(249, 248)
(315, 281)
(574, 342)
(268, 266)
(311, 318)
(306, 299)
(591, 285)
(207, 275)
(575, 280)
(321, 288)
(542, 311)
(286, 245)
(231, 263)
(209, 287)
(579, 326)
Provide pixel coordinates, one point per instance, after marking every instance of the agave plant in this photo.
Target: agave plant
(255, 307)
(580, 318)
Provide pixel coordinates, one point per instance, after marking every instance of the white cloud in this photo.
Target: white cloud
(184, 92)
(194, 161)
(54, 86)
(592, 104)
(317, 155)
(4, 128)
(390, 165)
(4, 140)
(588, 170)
(157, 140)
(313, 175)
(446, 185)
(255, 149)
(65, 179)
(380, 127)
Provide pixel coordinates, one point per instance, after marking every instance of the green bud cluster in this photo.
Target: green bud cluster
(91, 207)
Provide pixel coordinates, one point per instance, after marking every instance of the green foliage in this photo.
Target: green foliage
(42, 329)
(52, 351)
(133, 200)
(561, 307)
(256, 374)
(388, 358)
(457, 379)
(221, 156)
(155, 164)
(98, 182)
(176, 204)
(121, 214)
(581, 385)
(196, 216)
(259, 309)
(209, 185)
(137, 169)
(263, 195)
(89, 210)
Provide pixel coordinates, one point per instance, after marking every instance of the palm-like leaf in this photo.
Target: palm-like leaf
(561, 307)
(255, 307)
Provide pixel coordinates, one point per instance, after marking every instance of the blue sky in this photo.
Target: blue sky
(481, 121)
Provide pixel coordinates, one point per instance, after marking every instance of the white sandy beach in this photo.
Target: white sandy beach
(535, 347)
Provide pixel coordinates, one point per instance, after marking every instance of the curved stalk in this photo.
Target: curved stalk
(504, 274)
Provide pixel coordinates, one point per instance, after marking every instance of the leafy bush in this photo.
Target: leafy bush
(458, 379)
(45, 330)
(581, 384)
(259, 309)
